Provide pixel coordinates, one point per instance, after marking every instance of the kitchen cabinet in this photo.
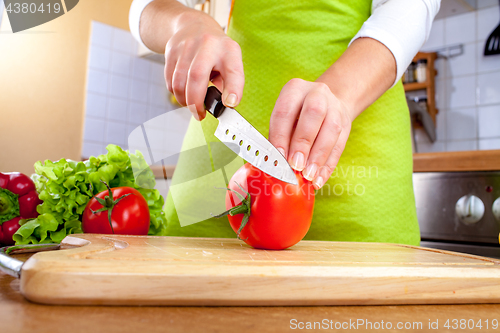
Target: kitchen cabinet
(428, 85)
(457, 7)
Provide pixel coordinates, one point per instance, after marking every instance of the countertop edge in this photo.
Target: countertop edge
(476, 160)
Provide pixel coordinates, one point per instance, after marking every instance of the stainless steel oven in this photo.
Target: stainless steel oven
(459, 211)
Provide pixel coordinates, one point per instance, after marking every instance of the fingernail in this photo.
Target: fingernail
(310, 171)
(298, 161)
(319, 182)
(193, 111)
(231, 100)
(282, 151)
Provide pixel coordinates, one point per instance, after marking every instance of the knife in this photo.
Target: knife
(242, 138)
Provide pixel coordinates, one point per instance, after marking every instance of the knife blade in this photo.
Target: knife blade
(243, 139)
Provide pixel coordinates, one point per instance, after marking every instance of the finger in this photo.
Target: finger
(325, 142)
(231, 70)
(198, 78)
(170, 62)
(311, 118)
(331, 163)
(217, 80)
(285, 113)
(179, 79)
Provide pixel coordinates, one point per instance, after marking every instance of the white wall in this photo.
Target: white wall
(123, 90)
(467, 86)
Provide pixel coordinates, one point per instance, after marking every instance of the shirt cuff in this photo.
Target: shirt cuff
(403, 27)
(134, 18)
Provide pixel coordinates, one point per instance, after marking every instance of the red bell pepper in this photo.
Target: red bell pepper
(18, 200)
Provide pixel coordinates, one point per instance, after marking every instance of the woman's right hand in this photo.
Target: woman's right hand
(200, 51)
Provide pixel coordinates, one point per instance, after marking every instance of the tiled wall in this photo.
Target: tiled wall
(123, 91)
(1, 11)
(467, 86)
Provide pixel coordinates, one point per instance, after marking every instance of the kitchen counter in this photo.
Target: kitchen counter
(476, 160)
(19, 315)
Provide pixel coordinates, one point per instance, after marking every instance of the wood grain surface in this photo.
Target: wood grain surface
(20, 315)
(480, 160)
(140, 270)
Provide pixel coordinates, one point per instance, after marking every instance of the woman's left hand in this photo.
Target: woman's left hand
(310, 126)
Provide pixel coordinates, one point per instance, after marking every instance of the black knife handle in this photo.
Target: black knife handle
(213, 102)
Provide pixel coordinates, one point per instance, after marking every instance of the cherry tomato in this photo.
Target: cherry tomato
(129, 215)
(20, 183)
(7, 230)
(280, 213)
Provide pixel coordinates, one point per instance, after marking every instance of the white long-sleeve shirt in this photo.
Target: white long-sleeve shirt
(402, 26)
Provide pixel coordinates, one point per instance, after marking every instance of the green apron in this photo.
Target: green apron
(369, 197)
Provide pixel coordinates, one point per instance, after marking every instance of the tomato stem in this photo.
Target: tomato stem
(108, 204)
(242, 208)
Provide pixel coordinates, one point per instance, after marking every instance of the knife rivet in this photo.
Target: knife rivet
(276, 163)
(241, 142)
(234, 137)
(256, 153)
(266, 158)
(249, 147)
(227, 132)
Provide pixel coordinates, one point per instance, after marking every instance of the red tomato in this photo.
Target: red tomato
(280, 213)
(129, 215)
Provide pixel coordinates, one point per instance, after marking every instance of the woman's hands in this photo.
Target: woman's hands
(310, 126)
(197, 52)
(311, 121)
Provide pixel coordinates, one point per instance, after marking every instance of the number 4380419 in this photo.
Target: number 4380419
(471, 324)
(33, 8)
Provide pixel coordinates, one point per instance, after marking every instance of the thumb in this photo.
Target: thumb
(234, 80)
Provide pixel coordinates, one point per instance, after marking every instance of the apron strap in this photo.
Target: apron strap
(230, 14)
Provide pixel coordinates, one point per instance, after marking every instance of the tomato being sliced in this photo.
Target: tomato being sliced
(279, 214)
(120, 210)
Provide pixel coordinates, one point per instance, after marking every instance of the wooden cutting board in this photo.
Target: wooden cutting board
(140, 270)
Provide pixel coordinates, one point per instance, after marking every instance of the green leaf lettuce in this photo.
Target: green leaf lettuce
(66, 186)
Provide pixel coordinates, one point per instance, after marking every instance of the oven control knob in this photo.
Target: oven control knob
(496, 209)
(469, 209)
